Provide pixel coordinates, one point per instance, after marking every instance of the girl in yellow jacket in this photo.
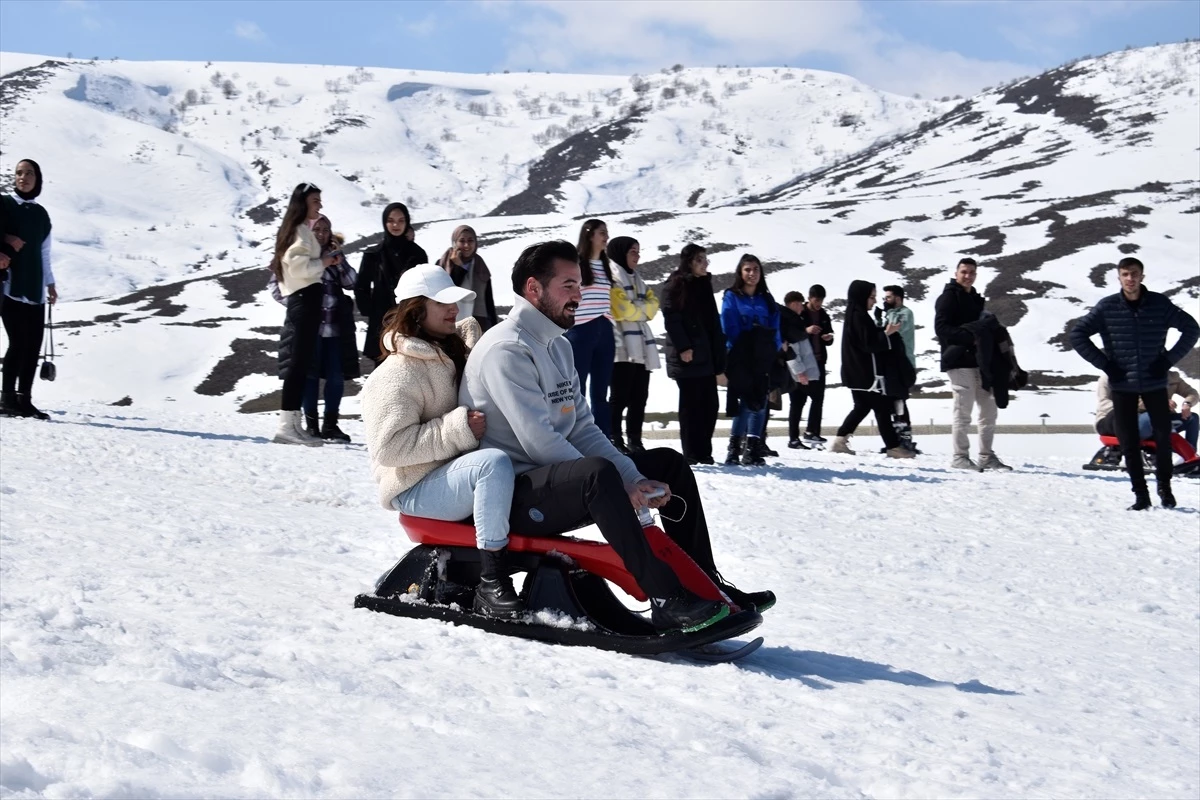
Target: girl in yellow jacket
(633, 306)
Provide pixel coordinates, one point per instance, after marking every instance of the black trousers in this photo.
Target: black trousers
(24, 324)
(815, 391)
(865, 403)
(304, 315)
(1125, 420)
(698, 407)
(560, 497)
(630, 389)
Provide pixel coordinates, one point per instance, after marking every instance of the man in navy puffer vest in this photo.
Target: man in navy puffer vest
(1133, 329)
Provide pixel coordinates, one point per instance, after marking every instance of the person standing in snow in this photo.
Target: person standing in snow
(335, 358)
(28, 288)
(819, 327)
(750, 320)
(468, 270)
(591, 337)
(1133, 325)
(424, 445)
(694, 349)
(381, 267)
(894, 311)
(958, 306)
(633, 306)
(865, 350)
(522, 375)
(298, 266)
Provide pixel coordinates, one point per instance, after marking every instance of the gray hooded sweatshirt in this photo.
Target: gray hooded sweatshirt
(521, 375)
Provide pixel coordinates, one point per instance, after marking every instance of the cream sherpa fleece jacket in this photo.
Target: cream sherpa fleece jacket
(410, 410)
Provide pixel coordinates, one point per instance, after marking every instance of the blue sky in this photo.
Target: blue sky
(933, 47)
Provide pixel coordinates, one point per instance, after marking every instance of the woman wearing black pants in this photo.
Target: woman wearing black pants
(694, 350)
(29, 286)
(865, 350)
(298, 266)
(636, 351)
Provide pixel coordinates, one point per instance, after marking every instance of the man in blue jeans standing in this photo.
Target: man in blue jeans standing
(1133, 328)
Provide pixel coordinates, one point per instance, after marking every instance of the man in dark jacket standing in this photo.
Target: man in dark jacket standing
(1133, 328)
(959, 306)
(816, 324)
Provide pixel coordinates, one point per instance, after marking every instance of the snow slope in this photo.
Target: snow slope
(177, 622)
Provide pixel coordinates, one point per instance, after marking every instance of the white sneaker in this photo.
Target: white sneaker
(291, 431)
(964, 462)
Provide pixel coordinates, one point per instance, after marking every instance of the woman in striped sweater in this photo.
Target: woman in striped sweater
(592, 336)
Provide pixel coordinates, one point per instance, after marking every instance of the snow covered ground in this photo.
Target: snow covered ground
(176, 622)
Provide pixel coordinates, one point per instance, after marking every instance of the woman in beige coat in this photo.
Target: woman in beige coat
(422, 444)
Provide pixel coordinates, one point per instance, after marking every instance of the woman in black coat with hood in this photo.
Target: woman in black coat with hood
(866, 349)
(380, 269)
(694, 350)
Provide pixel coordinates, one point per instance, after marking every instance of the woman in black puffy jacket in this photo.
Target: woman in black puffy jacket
(694, 350)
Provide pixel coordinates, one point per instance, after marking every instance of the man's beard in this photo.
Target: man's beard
(561, 317)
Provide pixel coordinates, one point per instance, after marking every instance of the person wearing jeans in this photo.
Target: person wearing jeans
(1133, 326)
(423, 443)
(591, 337)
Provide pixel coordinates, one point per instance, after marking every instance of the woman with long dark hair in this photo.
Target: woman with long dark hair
(750, 319)
(694, 350)
(423, 444)
(866, 349)
(27, 290)
(381, 267)
(591, 337)
(298, 266)
(633, 306)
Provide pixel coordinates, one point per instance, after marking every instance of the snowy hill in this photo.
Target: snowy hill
(1047, 181)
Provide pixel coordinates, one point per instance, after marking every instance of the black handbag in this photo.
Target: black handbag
(49, 372)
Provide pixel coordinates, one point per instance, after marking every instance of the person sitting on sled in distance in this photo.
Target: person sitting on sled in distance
(423, 444)
(522, 375)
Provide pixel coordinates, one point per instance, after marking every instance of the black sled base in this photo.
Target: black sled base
(566, 605)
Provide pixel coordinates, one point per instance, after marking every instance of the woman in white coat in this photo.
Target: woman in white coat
(422, 444)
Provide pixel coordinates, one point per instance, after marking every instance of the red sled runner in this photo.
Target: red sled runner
(1108, 457)
(566, 590)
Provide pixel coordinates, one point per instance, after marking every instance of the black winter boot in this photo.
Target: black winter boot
(311, 424)
(619, 442)
(733, 456)
(1141, 500)
(764, 450)
(330, 429)
(1165, 496)
(752, 452)
(685, 612)
(495, 596)
(8, 405)
(636, 446)
(26, 408)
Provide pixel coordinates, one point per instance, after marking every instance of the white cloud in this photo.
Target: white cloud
(624, 36)
(421, 28)
(248, 31)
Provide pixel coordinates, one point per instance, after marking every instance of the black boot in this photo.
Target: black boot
(8, 405)
(619, 443)
(311, 424)
(26, 408)
(1165, 496)
(636, 446)
(752, 452)
(330, 429)
(685, 612)
(733, 456)
(764, 450)
(495, 596)
(1141, 500)
(759, 601)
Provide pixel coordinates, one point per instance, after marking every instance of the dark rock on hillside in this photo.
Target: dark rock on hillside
(1043, 94)
(566, 161)
(18, 84)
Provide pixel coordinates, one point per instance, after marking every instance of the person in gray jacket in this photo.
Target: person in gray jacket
(522, 375)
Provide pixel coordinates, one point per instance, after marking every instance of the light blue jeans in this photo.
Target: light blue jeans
(479, 484)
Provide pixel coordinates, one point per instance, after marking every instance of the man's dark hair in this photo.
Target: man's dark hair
(792, 297)
(537, 262)
(1128, 262)
(817, 291)
(896, 290)
(968, 261)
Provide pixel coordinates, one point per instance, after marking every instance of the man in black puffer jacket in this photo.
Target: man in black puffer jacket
(958, 307)
(1133, 328)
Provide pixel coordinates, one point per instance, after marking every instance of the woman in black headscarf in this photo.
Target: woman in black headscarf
(380, 269)
(29, 286)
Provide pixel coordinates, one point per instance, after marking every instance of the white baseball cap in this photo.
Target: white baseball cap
(430, 280)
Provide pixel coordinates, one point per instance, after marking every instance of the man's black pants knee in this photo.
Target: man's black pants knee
(560, 497)
(1125, 420)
